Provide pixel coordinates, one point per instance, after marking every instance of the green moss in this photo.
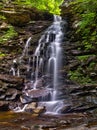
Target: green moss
(9, 34)
(2, 17)
(79, 77)
(2, 54)
(84, 57)
(92, 65)
(85, 12)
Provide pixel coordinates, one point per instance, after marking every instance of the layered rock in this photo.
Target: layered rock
(19, 16)
(10, 90)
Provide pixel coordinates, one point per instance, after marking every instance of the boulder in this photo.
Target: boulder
(39, 110)
(32, 105)
(37, 93)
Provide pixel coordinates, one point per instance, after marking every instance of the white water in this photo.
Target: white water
(53, 37)
(46, 60)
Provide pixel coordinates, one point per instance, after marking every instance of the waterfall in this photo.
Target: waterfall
(51, 41)
(46, 61)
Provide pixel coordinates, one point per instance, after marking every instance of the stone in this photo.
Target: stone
(4, 26)
(27, 99)
(12, 94)
(32, 105)
(4, 106)
(3, 87)
(74, 65)
(39, 110)
(35, 93)
(18, 18)
(12, 81)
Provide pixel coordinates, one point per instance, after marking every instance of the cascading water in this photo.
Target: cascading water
(46, 62)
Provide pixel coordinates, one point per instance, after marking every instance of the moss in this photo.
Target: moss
(92, 65)
(9, 34)
(2, 17)
(79, 77)
(84, 57)
(2, 54)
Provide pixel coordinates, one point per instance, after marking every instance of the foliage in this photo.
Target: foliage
(2, 54)
(2, 17)
(79, 77)
(7, 35)
(86, 11)
(51, 6)
(82, 74)
(84, 57)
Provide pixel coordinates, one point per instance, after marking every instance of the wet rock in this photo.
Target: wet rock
(35, 109)
(31, 107)
(3, 87)
(24, 128)
(84, 88)
(65, 109)
(84, 52)
(12, 81)
(79, 107)
(27, 99)
(35, 93)
(74, 65)
(39, 110)
(50, 126)
(10, 87)
(12, 94)
(4, 106)
(2, 96)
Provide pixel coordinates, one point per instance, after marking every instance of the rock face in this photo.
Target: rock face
(27, 22)
(19, 16)
(12, 80)
(10, 90)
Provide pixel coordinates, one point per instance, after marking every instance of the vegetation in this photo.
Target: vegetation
(2, 54)
(84, 57)
(86, 11)
(78, 77)
(7, 35)
(85, 15)
(51, 6)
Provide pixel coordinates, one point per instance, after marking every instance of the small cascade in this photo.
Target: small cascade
(44, 65)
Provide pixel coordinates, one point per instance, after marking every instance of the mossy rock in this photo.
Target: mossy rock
(17, 18)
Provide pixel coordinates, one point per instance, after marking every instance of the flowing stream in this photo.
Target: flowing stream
(44, 66)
